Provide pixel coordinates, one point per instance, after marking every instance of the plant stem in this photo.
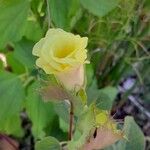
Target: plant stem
(48, 13)
(71, 121)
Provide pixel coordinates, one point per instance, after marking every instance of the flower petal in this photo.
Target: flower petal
(38, 47)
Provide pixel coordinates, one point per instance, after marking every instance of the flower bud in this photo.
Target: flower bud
(72, 79)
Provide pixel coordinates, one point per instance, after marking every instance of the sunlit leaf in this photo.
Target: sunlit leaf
(12, 126)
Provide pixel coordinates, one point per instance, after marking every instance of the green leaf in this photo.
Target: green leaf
(92, 91)
(99, 7)
(134, 135)
(33, 27)
(62, 110)
(106, 97)
(15, 65)
(135, 138)
(89, 74)
(40, 113)
(75, 13)
(62, 12)
(63, 125)
(37, 7)
(58, 11)
(147, 5)
(12, 94)
(1, 65)
(23, 53)
(12, 126)
(48, 143)
(13, 16)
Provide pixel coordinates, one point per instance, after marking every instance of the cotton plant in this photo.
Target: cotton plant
(63, 55)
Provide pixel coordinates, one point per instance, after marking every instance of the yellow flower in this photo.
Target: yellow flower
(62, 53)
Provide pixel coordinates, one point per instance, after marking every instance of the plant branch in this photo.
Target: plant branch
(71, 121)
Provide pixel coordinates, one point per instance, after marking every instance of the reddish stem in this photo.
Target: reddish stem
(70, 121)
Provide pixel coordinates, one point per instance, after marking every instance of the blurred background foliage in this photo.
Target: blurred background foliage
(117, 77)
